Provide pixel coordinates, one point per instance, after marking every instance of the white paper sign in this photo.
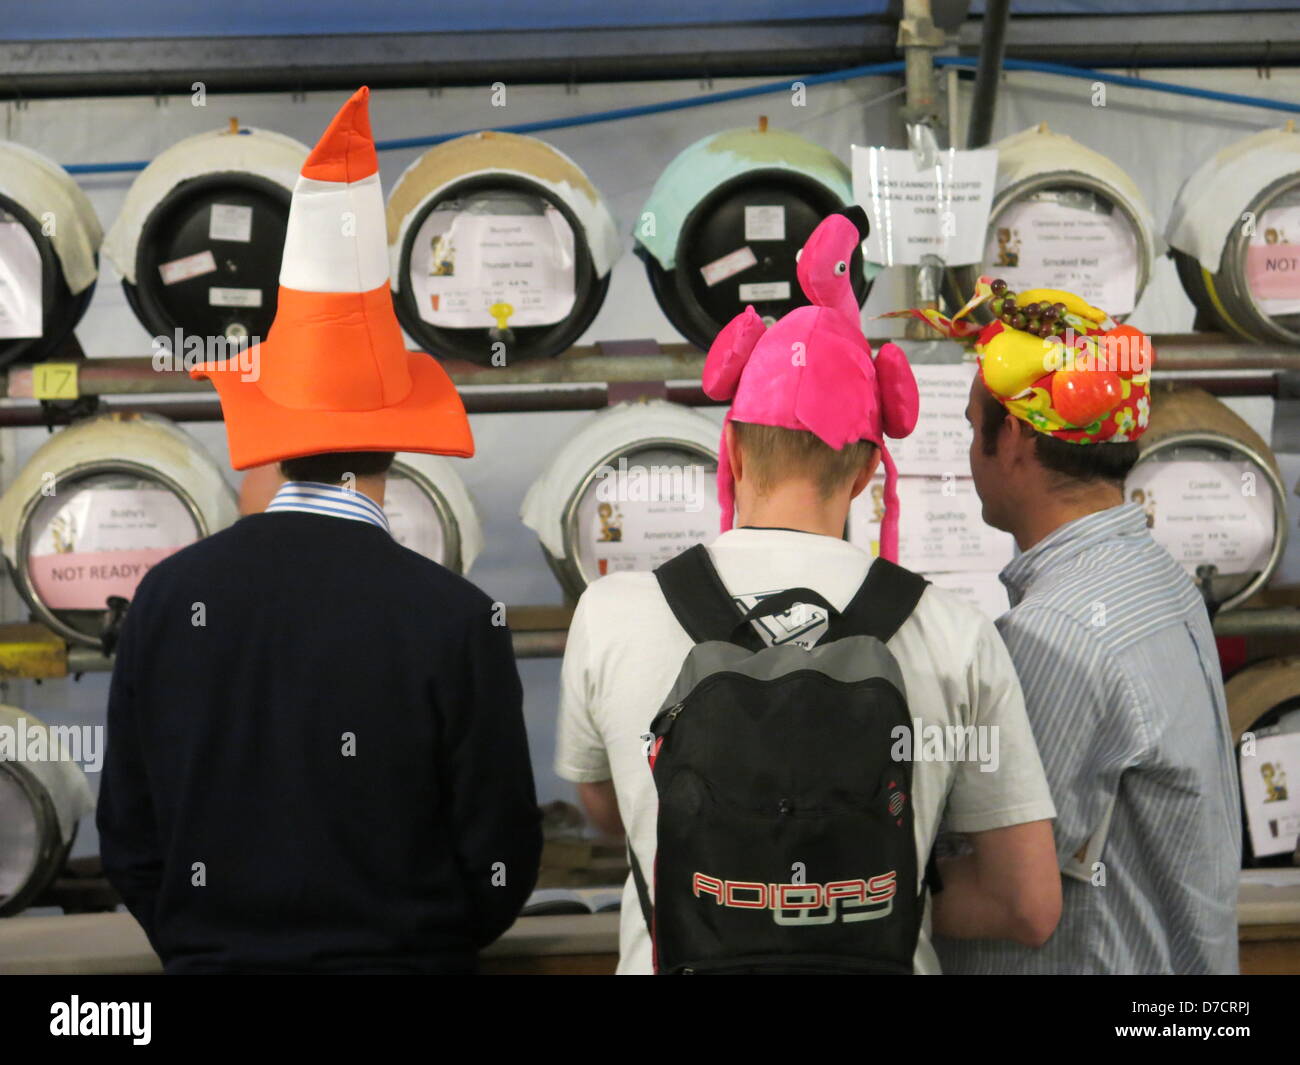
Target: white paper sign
(93, 543)
(463, 264)
(1061, 240)
(1273, 261)
(1270, 785)
(1207, 511)
(765, 290)
(983, 590)
(939, 210)
(941, 441)
(21, 311)
(728, 266)
(940, 526)
(413, 518)
(646, 518)
(1288, 570)
(114, 519)
(191, 266)
(235, 297)
(230, 221)
(764, 223)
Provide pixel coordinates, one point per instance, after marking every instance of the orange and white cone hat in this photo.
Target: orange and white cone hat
(333, 374)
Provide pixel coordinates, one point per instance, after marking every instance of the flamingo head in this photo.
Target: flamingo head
(824, 262)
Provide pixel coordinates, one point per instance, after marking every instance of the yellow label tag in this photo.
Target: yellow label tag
(55, 380)
(501, 312)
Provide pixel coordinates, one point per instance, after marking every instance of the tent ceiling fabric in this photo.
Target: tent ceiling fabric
(71, 19)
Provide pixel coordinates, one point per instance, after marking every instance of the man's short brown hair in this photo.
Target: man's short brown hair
(1068, 463)
(773, 455)
(332, 467)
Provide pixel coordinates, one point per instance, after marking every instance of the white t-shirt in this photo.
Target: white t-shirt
(625, 649)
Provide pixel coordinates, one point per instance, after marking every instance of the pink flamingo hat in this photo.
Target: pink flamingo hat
(813, 370)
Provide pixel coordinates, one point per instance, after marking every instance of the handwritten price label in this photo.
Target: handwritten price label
(54, 380)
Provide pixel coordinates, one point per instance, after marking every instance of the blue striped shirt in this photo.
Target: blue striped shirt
(330, 499)
(1121, 677)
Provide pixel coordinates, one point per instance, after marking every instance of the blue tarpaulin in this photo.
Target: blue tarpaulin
(62, 19)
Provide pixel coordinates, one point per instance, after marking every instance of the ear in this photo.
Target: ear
(1017, 438)
(732, 448)
(865, 474)
(729, 353)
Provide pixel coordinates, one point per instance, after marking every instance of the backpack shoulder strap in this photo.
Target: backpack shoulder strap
(642, 893)
(886, 599)
(700, 601)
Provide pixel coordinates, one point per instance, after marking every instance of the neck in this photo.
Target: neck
(372, 487)
(799, 507)
(1050, 511)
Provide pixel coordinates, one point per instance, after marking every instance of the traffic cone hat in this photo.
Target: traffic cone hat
(333, 374)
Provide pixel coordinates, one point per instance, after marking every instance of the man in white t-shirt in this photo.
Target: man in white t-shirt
(626, 647)
(792, 491)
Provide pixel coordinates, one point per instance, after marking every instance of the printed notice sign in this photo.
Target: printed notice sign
(764, 223)
(729, 265)
(464, 264)
(940, 530)
(635, 522)
(939, 210)
(230, 221)
(940, 443)
(1273, 261)
(91, 543)
(1068, 240)
(1217, 512)
(21, 309)
(760, 291)
(1270, 785)
(982, 589)
(235, 297)
(191, 266)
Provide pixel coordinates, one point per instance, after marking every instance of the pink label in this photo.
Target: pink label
(191, 266)
(729, 265)
(83, 580)
(1273, 271)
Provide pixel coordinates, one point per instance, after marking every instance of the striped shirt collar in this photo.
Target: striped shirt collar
(1068, 540)
(333, 500)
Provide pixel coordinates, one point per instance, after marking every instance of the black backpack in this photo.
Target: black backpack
(785, 834)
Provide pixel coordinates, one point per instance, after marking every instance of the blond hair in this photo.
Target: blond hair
(773, 454)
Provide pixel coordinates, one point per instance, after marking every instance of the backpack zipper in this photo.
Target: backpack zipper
(664, 721)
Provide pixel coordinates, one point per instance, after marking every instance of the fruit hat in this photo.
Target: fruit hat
(334, 373)
(1056, 362)
(813, 369)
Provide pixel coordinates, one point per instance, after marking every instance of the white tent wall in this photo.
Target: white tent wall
(1158, 139)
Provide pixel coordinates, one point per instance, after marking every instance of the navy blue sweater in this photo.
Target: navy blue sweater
(316, 756)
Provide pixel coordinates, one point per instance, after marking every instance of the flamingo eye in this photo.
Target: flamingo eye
(841, 267)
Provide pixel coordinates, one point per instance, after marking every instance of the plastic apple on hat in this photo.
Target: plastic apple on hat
(1128, 350)
(1083, 396)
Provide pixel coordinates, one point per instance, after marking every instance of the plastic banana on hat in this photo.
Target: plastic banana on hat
(1056, 362)
(334, 373)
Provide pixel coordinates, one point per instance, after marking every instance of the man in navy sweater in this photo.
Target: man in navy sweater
(316, 752)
